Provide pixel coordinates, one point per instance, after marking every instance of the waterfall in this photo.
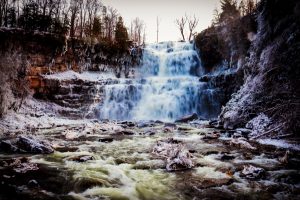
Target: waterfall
(167, 89)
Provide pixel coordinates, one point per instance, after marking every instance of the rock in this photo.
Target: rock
(251, 172)
(226, 157)
(243, 131)
(204, 78)
(148, 132)
(170, 125)
(71, 135)
(210, 136)
(258, 124)
(106, 139)
(285, 158)
(176, 154)
(187, 118)
(20, 165)
(127, 123)
(125, 132)
(150, 164)
(82, 158)
(26, 144)
(168, 130)
(215, 124)
(145, 124)
(181, 160)
(32, 145)
(33, 184)
(241, 143)
(7, 146)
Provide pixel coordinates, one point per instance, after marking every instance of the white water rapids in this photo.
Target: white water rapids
(167, 89)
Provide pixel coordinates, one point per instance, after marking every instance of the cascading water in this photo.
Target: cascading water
(167, 89)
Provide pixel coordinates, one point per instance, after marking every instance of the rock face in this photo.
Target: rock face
(271, 86)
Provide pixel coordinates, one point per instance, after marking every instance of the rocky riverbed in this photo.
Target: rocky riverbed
(144, 160)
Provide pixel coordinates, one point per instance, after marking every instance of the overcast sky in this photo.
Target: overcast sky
(167, 11)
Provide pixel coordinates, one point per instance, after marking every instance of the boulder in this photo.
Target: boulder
(32, 145)
(26, 144)
(177, 156)
(19, 165)
(251, 172)
(241, 143)
(106, 139)
(187, 118)
(82, 158)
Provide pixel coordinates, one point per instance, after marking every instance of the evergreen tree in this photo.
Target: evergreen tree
(11, 17)
(97, 28)
(28, 20)
(121, 35)
(229, 10)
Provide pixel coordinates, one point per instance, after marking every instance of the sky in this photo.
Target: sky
(167, 11)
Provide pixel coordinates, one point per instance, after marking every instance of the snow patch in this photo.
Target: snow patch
(280, 143)
(85, 76)
(258, 124)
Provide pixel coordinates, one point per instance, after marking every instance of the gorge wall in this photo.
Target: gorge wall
(263, 51)
(27, 56)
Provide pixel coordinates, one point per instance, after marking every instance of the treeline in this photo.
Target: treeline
(84, 19)
(227, 41)
(232, 10)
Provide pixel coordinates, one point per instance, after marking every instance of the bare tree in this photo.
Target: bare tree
(74, 8)
(110, 22)
(92, 7)
(216, 18)
(193, 22)
(138, 27)
(157, 29)
(181, 25)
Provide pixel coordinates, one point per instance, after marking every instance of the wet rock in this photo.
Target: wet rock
(83, 183)
(150, 164)
(145, 124)
(20, 165)
(26, 144)
(168, 130)
(148, 132)
(170, 125)
(243, 131)
(215, 124)
(33, 184)
(106, 139)
(187, 118)
(181, 159)
(251, 172)
(285, 158)
(125, 132)
(176, 154)
(32, 145)
(82, 158)
(204, 78)
(127, 123)
(210, 136)
(226, 157)
(71, 134)
(7, 146)
(241, 143)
